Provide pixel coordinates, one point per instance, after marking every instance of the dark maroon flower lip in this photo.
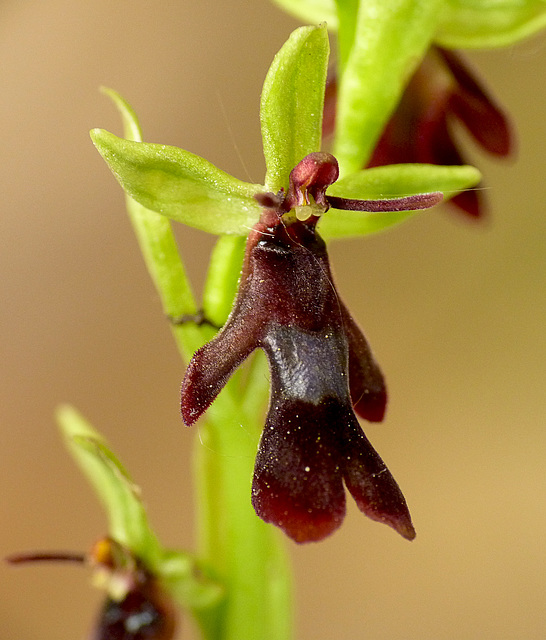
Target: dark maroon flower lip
(322, 371)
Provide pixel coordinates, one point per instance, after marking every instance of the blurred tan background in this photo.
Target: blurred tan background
(455, 312)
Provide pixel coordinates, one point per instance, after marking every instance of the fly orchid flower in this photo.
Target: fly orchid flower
(322, 368)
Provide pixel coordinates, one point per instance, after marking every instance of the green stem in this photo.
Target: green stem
(248, 554)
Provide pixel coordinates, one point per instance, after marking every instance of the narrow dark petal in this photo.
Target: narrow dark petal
(488, 125)
(440, 148)
(213, 364)
(408, 203)
(366, 382)
(461, 72)
(371, 483)
(297, 482)
(476, 108)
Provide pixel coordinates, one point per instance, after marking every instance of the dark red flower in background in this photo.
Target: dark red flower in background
(136, 608)
(442, 91)
(322, 368)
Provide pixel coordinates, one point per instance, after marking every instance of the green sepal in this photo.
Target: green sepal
(292, 103)
(391, 181)
(482, 24)
(180, 185)
(128, 522)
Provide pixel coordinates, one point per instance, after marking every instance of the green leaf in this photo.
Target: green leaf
(486, 24)
(292, 103)
(391, 181)
(180, 185)
(311, 11)
(115, 489)
(380, 43)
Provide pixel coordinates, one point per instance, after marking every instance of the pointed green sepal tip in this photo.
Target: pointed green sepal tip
(131, 125)
(180, 185)
(391, 181)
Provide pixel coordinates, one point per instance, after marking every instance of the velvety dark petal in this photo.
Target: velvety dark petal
(405, 203)
(366, 382)
(297, 482)
(213, 364)
(297, 479)
(371, 483)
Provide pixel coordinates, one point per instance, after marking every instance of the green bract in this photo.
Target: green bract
(128, 523)
(380, 45)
